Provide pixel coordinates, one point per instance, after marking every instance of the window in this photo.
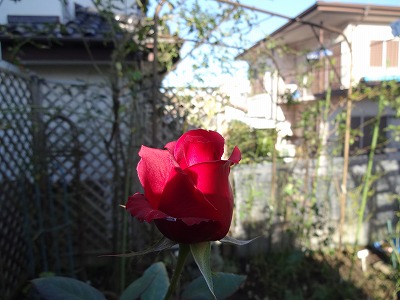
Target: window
(384, 54)
(363, 136)
(376, 53)
(392, 53)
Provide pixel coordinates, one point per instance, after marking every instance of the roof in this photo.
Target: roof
(44, 40)
(86, 24)
(333, 16)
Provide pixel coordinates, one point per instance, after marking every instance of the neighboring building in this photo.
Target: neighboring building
(68, 120)
(67, 40)
(329, 44)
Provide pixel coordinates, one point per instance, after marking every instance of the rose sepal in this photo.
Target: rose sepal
(202, 253)
(233, 241)
(162, 244)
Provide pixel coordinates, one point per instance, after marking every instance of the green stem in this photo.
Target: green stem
(184, 250)
(128, 180)
(367, 177)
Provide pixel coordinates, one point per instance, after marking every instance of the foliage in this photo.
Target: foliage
(152, 285)
(223, 283)
(306, 274)
(294, 271)
(309, 124)
(197, 107)
(63, 288)
(363, 91)
(209, 30)
(255, 144)
(394, 242)
(305, 220)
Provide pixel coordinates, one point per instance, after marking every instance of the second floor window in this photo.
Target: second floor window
(384, 54)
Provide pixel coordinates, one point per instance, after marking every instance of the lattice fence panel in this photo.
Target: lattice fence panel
(65, 169)
(15, 182)
(77, 122)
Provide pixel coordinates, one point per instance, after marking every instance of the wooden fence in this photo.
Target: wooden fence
(68, 161)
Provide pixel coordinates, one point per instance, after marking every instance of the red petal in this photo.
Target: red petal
(236, 156)
(198, 146)
(140, 208)
(212, 179)
(182, 233)
(153, 170)
(170, 147)
(182, 199)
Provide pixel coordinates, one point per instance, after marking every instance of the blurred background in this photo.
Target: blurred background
(309, 91)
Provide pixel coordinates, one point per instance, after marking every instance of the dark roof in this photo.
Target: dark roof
(88, 38)
(86, 24)
(42, 40)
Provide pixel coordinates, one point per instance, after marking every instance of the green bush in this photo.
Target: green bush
(255, 144)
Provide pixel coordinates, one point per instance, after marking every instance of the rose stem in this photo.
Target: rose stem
(184, 250)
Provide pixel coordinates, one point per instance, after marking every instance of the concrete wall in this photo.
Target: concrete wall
(258, 214)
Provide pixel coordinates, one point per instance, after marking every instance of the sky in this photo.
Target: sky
(214, 75)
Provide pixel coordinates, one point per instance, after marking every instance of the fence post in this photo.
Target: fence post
(39, 166)
(38, 138)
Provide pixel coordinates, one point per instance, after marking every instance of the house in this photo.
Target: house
(329, 45)
(328, 50)
(66, 39)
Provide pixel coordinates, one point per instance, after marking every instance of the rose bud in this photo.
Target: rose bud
(186, 188)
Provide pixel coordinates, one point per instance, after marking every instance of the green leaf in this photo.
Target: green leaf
(201, 253)
(136, 75)
(225, 284)
(231, 240)
(64, 288)
(162, 244)
(153, 285)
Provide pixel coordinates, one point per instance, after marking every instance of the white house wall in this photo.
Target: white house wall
(30, 8)
(362, 37)
(346, 56)
(56, 8)
(237, 89)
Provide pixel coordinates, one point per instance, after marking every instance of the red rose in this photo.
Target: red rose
(186, 188)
